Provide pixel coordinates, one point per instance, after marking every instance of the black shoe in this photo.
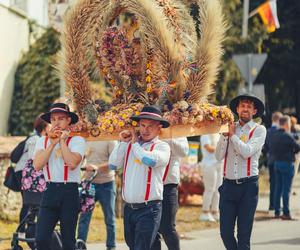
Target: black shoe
(287, 217)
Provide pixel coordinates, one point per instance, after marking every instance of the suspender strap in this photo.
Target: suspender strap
(65, 165)
(167, 170)
(249, 159)
(47, 165)
(125, 165)
(149, 178)
(225, 160)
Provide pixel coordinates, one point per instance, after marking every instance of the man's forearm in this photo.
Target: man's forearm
(71, 159)
(42, 157)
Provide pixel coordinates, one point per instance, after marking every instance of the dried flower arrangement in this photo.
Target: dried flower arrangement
(154, 57)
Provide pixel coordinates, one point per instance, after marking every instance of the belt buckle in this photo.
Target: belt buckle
(238, 182)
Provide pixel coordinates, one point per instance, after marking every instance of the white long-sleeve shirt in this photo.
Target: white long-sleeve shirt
(140, 158)
(179, 148)
(240, 148)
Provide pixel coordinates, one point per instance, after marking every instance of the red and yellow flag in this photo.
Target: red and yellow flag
(268, 14)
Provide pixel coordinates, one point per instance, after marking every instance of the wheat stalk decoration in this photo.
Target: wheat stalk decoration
(208, 52)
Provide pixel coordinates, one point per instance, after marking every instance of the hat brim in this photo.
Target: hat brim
(46, 117)
(258, 104)
(164, 123)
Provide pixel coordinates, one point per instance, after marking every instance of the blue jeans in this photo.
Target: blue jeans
(238, 203)
(272, 185)
(168, 219)
(106, 196)
(284, 172)
(141, 226)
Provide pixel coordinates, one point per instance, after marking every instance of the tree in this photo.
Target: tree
(36, 83)
(281, 71)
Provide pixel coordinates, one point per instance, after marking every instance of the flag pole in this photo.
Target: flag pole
(245, 19)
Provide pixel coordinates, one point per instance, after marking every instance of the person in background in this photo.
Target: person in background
(60, 156)
(240, 148)
(97, 160)
(212, 177)
(144, 158)
(40, 129)
(284, 148)
(270, 157)
(171, 178)
(295, 130)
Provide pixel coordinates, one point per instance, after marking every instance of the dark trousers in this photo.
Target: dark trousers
(168, 219)
(272, 185)
(238, 203)
(23, 213)
(60, 202)
(141, 226)
(284, 176)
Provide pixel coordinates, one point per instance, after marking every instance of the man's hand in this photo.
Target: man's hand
(64, 135)
(134, 135)
(90, 168)
(125, 136)
(231, 129)
(54, 135)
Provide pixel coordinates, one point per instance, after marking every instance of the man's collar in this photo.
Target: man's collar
(154, 140)
(251, 124)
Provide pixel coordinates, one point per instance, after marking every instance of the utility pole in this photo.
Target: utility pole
(245, 19)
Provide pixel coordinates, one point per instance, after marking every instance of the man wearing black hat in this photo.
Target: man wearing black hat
(144, 159)
(240, 149)
(59, 155)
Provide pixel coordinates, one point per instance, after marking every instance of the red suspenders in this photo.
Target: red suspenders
(148, 176)
(248, 160)
(167, 170)
(65, 165)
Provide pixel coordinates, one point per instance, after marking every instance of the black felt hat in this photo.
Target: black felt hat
(60, 108)
(151, 113)
(258, 104)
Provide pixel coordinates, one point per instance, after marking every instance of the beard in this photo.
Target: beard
(245, 119)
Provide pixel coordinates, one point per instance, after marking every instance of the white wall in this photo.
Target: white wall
(14, 33)
(36, 10)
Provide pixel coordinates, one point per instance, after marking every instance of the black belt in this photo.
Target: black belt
(241, 180)
(141, 205)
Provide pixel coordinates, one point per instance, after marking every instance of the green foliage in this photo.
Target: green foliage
(36, 83)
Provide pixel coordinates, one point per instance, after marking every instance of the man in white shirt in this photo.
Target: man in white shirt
(59, 156)
(144, 159)
(179, 148)
(97, 155)
(240, 149)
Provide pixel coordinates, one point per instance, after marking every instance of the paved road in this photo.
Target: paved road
(267, 235)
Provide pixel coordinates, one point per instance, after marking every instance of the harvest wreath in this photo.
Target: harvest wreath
(149, 53)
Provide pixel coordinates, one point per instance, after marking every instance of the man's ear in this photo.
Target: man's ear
(255, 111)
(69, 120)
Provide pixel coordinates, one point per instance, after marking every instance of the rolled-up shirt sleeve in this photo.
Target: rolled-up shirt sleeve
(221, 148)
(117, 156)
(179, 146)
(158, 157)
(253, 145)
